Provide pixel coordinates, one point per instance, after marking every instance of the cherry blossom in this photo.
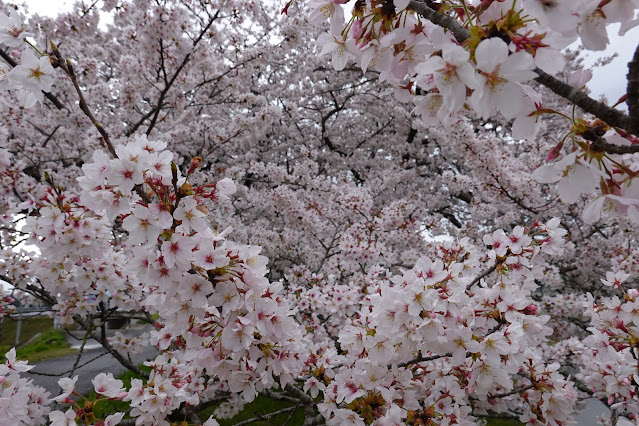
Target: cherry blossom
(12, 31)
(59, 418)
(374, 246)
(500, 73)
(107, 385)
(340, 50)
(34, 75)
(452, 72)
(574, 175)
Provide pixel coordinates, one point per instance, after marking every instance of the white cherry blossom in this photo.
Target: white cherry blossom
(498, 79)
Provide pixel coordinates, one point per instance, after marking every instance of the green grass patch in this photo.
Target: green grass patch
(49, 344)
(262, 405)
(30, 327)
(503, 422)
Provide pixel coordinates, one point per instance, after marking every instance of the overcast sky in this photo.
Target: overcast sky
(609, 80)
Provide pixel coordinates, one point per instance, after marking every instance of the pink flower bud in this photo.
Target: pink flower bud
(121, 395)
(16, 54)
(554, 153)
(2, 379)
(358, 30)
(633, 293)
(531, 310)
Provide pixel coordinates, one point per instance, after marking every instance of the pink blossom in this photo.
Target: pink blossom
(499, 78)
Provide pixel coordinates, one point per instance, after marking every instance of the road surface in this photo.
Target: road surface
(103, 364)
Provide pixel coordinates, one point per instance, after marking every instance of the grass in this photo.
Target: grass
(503, 422)
(261, 406)
(30, 327)
(49, 344)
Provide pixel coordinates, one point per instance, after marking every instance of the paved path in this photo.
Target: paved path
(104, 364)
(589, 416)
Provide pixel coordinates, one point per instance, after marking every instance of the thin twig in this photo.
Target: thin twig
(422, 359)
(485, 273)
(600, 144)
(80, 352)
(266, 416)
(67, 67)
(512, 392)
(66, 372)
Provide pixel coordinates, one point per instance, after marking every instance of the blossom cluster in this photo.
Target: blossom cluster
(34, 74)
(439, 319)
(312, 276)
(486, 63)
(218, 315)
(21, 402)
(608, 357)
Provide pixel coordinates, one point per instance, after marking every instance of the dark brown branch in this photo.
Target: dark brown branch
(600, 144)
(265, 417)
(444, 21)
(87, 325)
(485, 273)
(306, 401)
(464, 196)
(512, 392)
(69, 371)
(121, 359)
(80, 352)
(613, 117)
(211, 402)
(179, 69)
(451, 217)
(422, 359)
(633, 92)
(67, 67)
(496, 416)
(69, 71)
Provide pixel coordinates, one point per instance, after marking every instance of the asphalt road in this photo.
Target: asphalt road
(104, 364)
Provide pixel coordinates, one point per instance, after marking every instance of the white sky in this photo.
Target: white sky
(609, 80)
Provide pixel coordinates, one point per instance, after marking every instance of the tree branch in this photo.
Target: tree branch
(600, 144)
(445, 21)
(633, 92)
(266, 416)
(68, 70)
(422, 359)
(512, 392)
(179, 69)
(485, 273)
(613, 117)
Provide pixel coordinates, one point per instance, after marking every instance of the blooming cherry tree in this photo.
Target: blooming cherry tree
(371, 246)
